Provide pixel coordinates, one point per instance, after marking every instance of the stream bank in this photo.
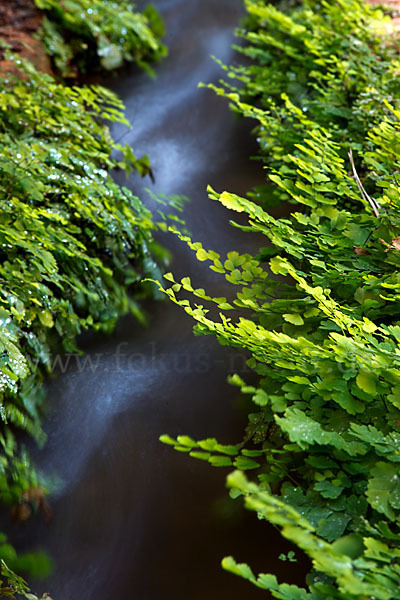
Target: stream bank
(125, 521)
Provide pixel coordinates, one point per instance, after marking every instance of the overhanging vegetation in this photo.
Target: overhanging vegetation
(322, 443)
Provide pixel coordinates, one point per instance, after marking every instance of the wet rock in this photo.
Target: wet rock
(19, 21)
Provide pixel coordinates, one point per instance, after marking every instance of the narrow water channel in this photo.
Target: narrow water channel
(132, 518)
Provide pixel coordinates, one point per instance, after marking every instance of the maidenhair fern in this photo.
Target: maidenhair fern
(84, 35)
(13, 586)
(74, 247)
(322, 444)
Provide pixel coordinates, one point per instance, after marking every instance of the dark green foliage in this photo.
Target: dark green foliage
(74, 245)
(13, 586)
(322, 328)
(82, 36)
(37, 564)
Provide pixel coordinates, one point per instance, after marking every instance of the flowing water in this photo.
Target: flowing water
(132, 518)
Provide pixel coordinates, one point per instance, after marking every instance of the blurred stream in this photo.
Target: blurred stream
(133, 518)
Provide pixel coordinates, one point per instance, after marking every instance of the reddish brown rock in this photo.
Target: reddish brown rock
(19, 21)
